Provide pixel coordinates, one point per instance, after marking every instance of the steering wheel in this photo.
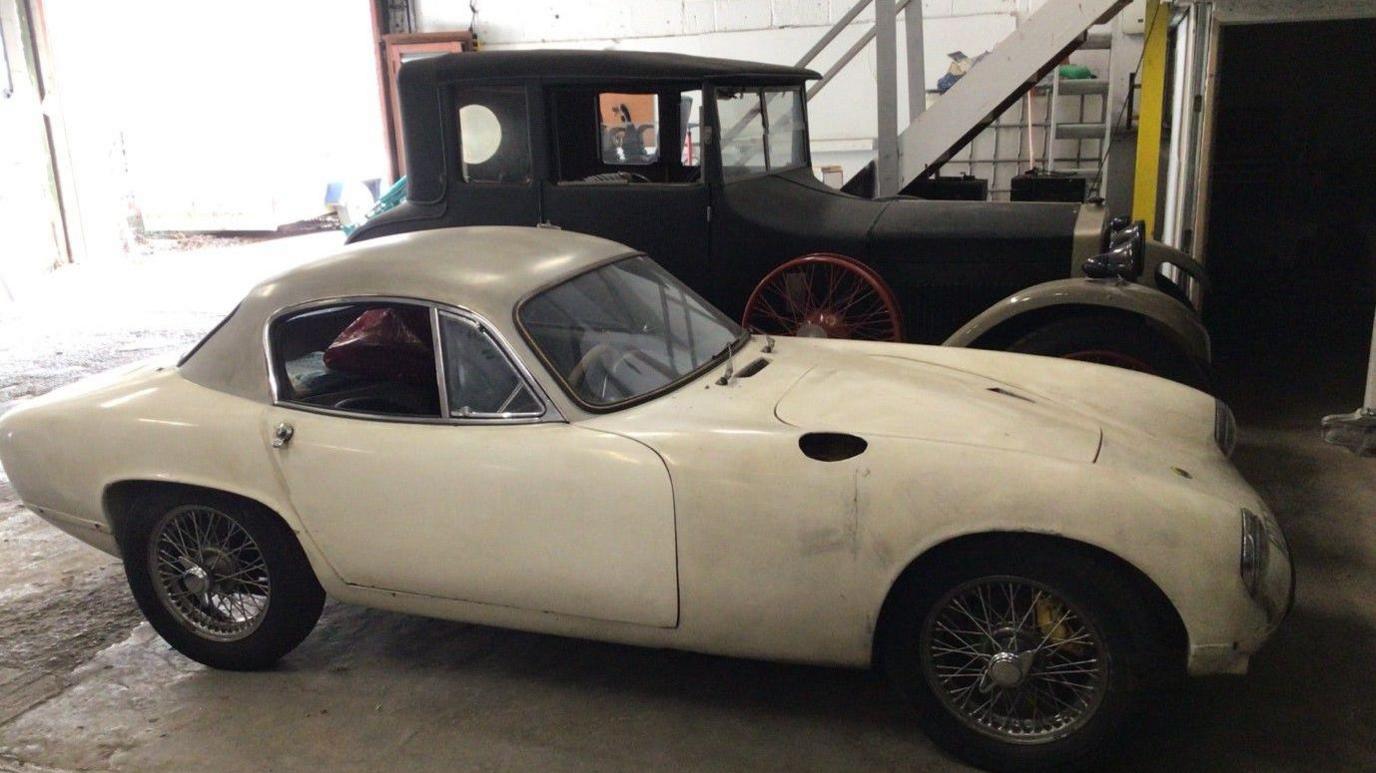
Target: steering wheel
(578, 376)
(579, 373)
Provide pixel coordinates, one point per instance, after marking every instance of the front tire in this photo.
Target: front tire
(221, 579)
(1017, 659)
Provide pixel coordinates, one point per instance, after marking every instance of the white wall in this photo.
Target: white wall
(775, 31)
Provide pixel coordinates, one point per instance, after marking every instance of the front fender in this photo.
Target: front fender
(1183, 537)
(1167, 314)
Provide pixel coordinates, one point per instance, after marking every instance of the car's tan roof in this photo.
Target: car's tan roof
(486, 269)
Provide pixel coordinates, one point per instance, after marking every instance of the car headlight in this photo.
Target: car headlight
(1225, 428)
(1256, 551)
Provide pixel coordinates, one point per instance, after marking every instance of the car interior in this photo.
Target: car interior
(368, 358)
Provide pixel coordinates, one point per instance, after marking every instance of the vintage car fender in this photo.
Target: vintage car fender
(1167, 316)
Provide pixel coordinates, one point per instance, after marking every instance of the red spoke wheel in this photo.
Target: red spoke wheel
(824, 295)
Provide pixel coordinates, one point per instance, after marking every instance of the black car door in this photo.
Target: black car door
(494, 172)
(626, 166)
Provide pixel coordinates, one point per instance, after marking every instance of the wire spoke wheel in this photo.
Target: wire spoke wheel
(209, 573)
(824, 296)
(1012, 659)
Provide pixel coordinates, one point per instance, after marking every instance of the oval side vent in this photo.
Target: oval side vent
(831, 446)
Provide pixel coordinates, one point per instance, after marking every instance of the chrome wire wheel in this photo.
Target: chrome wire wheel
(1014, 660)
(209, 573)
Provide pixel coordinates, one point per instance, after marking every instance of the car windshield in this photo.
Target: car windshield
(624, 331)
(762, 130)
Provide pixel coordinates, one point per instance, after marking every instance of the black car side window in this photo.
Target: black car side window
(628, 128)
(494, 133)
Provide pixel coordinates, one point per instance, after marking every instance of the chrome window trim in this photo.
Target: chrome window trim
(549, 414)
(478, 417)
(438, 347)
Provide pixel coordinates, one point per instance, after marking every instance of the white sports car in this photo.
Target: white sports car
(542, 430)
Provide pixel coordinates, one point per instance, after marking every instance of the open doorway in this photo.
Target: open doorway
(1291, 238)
(200, 117)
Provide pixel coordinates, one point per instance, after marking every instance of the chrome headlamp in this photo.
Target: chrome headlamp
(1256, 551)
(1225, 428)
(1262, 540)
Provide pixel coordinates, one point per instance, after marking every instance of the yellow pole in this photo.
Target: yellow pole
(1148, 172)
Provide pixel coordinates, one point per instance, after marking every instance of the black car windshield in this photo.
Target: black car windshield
(625, 330)
(762, 130)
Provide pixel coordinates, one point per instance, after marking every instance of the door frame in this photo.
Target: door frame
(391, 51)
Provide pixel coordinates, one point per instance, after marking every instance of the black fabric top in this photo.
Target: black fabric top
(576, 65)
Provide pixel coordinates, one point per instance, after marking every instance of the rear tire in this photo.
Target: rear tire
(222, 580)
(1110, 340)
(947, 685)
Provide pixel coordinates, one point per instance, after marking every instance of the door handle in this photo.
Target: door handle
(281, 434)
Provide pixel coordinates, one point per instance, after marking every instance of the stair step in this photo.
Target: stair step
(1078, 87)
(1079, 131)
(1097, 41)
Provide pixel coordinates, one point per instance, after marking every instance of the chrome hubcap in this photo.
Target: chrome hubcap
(1005, 670)
(1012, 659)
(209, 573)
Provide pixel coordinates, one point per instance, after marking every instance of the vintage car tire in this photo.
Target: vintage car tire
(1110, 340)
(1089, 587)
(293, 602)
(868, 311)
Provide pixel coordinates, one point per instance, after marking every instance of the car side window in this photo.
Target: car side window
(628, 128)
(494, 133)
(480, 381)
(375, 358)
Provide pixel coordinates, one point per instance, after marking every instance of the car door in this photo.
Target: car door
(491, 498)
(493, 170)
(626, 166)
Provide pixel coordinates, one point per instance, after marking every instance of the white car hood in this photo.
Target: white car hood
(894, 395)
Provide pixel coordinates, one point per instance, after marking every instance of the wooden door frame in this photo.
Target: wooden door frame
(390, 50)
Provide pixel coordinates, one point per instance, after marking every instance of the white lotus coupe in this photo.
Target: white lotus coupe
(543, 430)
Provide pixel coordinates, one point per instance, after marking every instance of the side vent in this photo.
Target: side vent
(831, 446)
(753, 368)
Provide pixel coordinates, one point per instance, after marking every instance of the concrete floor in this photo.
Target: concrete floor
(84, 684)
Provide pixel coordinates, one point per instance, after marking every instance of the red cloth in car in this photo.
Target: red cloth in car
(380, 344)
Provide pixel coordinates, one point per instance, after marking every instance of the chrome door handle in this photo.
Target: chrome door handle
(281, 435)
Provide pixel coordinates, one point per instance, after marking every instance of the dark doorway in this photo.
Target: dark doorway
(1292, 224)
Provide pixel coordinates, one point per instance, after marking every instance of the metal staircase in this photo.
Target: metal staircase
(1099, 130)
(1011, 69)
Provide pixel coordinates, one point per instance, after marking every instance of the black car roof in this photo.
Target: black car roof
(575, 65)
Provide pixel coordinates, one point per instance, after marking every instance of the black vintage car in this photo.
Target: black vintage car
(704, 164)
